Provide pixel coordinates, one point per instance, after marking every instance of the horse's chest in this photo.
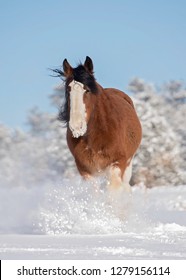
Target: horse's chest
(94, 158)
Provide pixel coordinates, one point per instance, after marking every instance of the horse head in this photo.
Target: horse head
(81, 90)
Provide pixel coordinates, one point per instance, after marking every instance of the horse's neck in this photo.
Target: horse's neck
(100, 112)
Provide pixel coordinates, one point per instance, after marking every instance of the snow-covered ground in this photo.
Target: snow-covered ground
(71, 219)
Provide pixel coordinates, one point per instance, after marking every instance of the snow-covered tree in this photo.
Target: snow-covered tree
(160, 155)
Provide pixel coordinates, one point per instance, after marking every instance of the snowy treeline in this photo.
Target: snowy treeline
(161, 159)
(41, 155)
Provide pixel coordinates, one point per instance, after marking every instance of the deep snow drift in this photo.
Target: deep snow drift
(72, 219)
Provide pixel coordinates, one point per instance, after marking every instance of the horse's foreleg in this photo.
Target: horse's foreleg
(127, 176)
(120, 175)
(115, 180)
(82, 170)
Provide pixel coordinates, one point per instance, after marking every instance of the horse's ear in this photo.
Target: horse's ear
(67, 68)
(89, 64)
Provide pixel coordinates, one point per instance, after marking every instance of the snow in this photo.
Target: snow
(71, 219)
(48, 212)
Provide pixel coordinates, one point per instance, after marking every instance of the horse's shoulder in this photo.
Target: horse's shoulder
(120, 93)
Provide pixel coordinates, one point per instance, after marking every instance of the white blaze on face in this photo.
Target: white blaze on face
(77, 122)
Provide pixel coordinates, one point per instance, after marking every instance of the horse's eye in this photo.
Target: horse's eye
(87, 91)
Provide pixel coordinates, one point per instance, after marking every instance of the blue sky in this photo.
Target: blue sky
(125, 39)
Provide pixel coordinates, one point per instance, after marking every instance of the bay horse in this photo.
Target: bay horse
(103, 129)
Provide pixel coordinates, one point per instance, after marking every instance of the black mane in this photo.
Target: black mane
(79, 74)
